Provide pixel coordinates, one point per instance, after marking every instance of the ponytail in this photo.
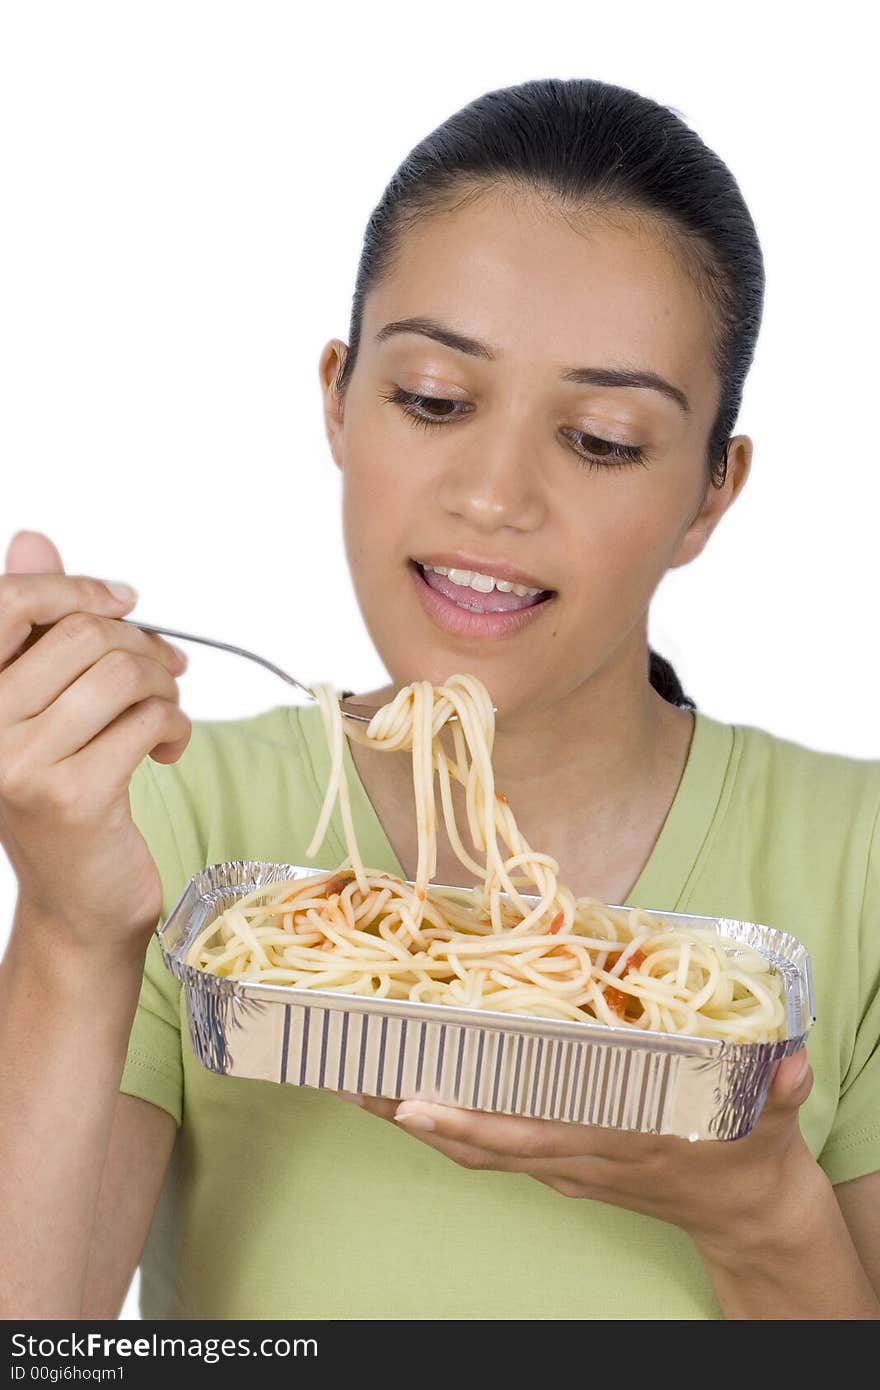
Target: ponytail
(664, 680)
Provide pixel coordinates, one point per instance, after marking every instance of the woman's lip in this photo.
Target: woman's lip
(463, 622)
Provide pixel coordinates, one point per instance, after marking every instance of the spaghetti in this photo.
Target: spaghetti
(359, 930)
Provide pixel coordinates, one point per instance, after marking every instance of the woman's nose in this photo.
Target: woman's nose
(494, 485)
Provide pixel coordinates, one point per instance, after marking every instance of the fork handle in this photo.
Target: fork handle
(222, 646)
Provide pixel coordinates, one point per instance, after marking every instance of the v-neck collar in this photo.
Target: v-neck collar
(678, 850)
(699, 800)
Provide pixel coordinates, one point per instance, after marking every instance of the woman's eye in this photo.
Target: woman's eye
(433, 411)
(607, 453)
(421, 409)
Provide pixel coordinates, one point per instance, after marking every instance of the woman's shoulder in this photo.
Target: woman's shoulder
(773, 769)
(794, 830)
(794, 842)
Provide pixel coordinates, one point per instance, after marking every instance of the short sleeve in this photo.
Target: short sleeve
(153, 1066)
(853, 1146)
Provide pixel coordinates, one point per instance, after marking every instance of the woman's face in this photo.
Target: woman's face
(520, 478)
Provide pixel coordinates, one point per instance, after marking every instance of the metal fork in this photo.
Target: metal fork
(362, 713)
(364, 717)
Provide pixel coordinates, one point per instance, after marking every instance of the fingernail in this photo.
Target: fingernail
(414, 1119)
(350, 1096)
(181, 655)
(124, 592)
(805, 1067)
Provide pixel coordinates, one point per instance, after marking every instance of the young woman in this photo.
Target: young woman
(555, 311)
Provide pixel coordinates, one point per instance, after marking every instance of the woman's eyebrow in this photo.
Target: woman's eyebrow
(582, 376)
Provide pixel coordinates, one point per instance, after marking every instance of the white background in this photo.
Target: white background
(184, 191)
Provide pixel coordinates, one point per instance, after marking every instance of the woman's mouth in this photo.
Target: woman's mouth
(473, 604)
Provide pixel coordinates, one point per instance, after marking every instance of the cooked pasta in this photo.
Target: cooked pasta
(362, 931)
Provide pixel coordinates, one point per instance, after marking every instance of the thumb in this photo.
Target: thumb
(792, 1082)
(31, 552)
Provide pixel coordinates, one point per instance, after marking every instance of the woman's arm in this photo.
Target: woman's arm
(859, 1200)
(84, 698)
(141, 1139)
(811, 1260)
(63, 1038)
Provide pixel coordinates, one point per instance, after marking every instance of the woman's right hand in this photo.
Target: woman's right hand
(84, 698)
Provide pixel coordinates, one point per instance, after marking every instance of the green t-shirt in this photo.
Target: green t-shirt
(285, 1202)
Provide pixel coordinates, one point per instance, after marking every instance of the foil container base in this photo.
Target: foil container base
(583, 1073)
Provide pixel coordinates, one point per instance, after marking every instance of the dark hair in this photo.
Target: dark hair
(591, 147)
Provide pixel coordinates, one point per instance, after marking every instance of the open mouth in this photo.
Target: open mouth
(481, 593)
(467, 604)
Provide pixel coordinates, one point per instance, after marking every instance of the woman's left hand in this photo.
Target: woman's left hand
(713, 1190)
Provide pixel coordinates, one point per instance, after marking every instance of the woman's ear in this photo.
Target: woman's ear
(715, 502)
(331, 364)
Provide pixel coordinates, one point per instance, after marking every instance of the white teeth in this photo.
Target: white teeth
(483, 583)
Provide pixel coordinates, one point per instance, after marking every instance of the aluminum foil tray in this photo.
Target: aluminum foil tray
(586, 1073)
